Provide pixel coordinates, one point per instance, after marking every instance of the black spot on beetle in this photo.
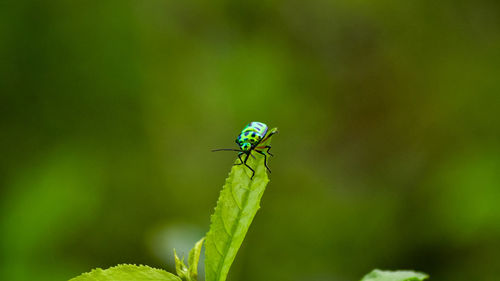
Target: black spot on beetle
(246, 133)
(253, 135)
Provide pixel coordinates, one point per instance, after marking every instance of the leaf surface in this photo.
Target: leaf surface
(194, 258)
(238, 203)
(127, 272)
(190, 272)
(400, 275)
(180, 267)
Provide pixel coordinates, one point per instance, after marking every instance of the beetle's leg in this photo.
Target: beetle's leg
(265, 159)
(268, 148)
(253, 172)
(239, 157)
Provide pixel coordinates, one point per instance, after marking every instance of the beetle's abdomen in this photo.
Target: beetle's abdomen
(252, 133)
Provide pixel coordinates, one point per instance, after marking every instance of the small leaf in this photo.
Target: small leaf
(194, 258)
(180, 268)
(127, 272)
(400, 275)
(237, 205)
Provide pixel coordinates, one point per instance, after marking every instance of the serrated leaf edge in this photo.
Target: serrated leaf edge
(98, 269)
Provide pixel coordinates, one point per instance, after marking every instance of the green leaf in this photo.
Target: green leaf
(194, 258)
(127, 272)
(400, 275)
(237, 205)
(180, 268)
(189, 273)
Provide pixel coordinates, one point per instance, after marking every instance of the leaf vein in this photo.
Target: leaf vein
(234, 197)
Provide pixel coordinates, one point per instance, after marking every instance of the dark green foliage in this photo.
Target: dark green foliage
(389, 156)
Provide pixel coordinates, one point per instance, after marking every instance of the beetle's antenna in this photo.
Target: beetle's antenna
(226, 149)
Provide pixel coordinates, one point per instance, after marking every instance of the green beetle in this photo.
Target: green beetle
(250, 138)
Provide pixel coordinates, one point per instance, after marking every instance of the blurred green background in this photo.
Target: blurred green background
(388, 154)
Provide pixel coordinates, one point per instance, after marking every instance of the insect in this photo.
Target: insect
(250, 139)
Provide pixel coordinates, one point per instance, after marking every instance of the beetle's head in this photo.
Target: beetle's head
(246, 146)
